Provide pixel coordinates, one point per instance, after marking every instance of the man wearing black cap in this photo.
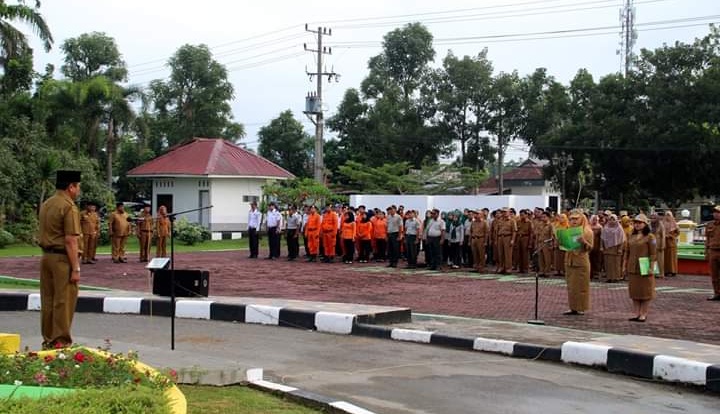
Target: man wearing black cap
(60, 265)
(119, 230)
(90, 225)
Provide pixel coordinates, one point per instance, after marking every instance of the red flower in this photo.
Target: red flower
(32, 354)
(59, 345)
(136, 380)
(49, 359)
(40, 378)
(79, 357)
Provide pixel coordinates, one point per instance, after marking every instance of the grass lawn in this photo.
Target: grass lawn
(7, 282)
(19, 250)
(237, 400)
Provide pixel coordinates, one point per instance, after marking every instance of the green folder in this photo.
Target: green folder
(644, 263)
(568, 238)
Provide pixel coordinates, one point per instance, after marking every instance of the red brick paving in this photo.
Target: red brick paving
(680, 315)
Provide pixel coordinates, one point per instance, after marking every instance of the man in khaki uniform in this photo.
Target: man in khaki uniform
(506, 232)
(144, 232)
(119, 230)
(90, 225)
(479, 236)
(524, 235)
(162, 232)
(60, 265)
(543, 244)
(712, 251)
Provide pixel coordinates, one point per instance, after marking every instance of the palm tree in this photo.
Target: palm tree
(12, 41)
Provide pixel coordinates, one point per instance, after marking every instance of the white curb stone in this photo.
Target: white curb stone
(584, 354)
(193, 309)
(680, 369)
(333, 322)
(411, 335)
(350, 408)
(33, 302)
(122, 305)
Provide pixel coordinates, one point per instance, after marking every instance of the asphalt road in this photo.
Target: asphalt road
(379, 375)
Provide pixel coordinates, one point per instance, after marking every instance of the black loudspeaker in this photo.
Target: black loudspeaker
(188, 283)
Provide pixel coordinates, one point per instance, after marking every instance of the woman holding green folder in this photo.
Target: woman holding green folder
(577, 263)
(640, 265)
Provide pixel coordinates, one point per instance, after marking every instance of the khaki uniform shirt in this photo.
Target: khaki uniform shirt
(163, 226)
(118, 225)
(89, 222)
(712, 235)
(479, 229)
(59, 217)
(524, 228)
(506, 227)
(145, 223)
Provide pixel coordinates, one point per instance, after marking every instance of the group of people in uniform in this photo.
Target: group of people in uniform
(120, 226)
(610, 246)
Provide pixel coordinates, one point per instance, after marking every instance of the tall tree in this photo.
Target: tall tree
(285, 142)
(13, 42)
(195, 100)
(506, 113)
(93, 54)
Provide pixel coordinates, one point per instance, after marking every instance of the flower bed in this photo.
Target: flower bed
(79, 368)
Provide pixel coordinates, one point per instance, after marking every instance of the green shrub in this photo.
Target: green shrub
(126, 400)
(23, 232)
(190, 233)
(104, 237)
(6, 238)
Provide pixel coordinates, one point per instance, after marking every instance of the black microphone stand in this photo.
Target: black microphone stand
(172, 217)
(537, 321)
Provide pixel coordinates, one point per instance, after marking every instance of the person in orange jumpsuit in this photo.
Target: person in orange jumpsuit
(348, 233)
(329, 229)
(312, 234)
(364, 235)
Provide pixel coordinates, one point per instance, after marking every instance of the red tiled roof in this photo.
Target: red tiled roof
(529, 170)
(209, 156)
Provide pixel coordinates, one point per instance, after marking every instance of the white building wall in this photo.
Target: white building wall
(185, 192)
(230, 205)
(450, 202)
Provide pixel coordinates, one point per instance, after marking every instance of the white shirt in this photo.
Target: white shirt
(294, 221)
(254, 219)
(435, 228)
(274, 218)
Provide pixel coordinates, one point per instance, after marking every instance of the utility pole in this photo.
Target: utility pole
(628, 36)
(314, 102)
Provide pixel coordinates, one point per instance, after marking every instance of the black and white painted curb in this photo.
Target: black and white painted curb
(616, 360)
(255, 380)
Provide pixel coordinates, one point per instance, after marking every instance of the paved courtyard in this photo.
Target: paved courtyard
(680, 310)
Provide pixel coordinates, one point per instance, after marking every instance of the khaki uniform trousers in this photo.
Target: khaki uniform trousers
(144, 237)
(545, 260)
(58, 298)
(89, 247)
(118, 247)
(523, 253)
(478, 252)
(505, 253)
(161, 250)
(714, 262)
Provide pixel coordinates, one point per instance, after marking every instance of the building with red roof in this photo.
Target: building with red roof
(210, 172)
(525, 179)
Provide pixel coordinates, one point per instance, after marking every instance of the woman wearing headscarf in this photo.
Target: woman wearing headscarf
(657, 228)
(561, 222)
(671, 236)
(627, 225)
(577, 267)
(613, 241)
(641, 288)
(457, 234)
(596, 256)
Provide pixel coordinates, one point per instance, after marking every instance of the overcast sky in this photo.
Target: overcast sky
(260, 42)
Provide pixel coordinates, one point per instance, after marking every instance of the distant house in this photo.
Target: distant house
(210, 171)
(526, 179)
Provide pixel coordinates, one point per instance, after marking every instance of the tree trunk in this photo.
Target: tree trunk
(110, 149)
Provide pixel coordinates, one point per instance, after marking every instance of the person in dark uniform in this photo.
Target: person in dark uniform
(60, 264)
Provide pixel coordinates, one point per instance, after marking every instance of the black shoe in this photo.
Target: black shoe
(252, 256)
(714, 298)
(572, 312)
(123, 260)
(269, 258)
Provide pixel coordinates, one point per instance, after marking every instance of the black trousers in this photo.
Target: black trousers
(456, 253)
(467, 257)
(274, 242)
(433, 252)
(365, 249)
(349, 245)
(380, 249)
(393, 248)
(293, 243)
(254, 241)
(411, 249)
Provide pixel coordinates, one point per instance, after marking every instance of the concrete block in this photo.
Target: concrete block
(9, 343)
(122, 305)
(236, 235)
(677, 369)
(411, 335)
(265, 315)
(273, 386)
(499, 346)
(33, 302)
(584, 354)
(333, 322)
(216, 235)
(193, 309)
(254, 374)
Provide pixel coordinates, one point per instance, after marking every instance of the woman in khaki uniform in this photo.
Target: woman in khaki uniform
(613, 241)
(641, 288)
(577, 267)
(162, 232)
(596, 256)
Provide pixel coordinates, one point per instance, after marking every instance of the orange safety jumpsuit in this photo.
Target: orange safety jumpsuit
(312, 234)
(329, 232)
